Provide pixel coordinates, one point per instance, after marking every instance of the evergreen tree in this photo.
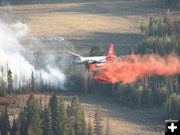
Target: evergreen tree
(4, 123)
(161, 39)
(151, 26)
(55, 113)
(168, 22)
(3, 88)
(79, 118)
(47, 122)
(63, 117)
(70, 120)
(172, 106)
(32, 82)
(98, 122)
(96, 51)
(89, 126)
(34, 123)
(23, 123)
(59, 116)
(9, 82)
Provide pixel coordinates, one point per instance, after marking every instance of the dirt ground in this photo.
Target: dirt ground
(91, 23)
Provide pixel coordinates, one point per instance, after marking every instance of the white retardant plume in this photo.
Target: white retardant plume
(10, 54)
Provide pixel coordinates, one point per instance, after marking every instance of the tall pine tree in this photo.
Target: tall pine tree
(4, 123)
(55, 113)
(63, 117)
(98, 128)
(79, 117)
(47, 122)
(34, 123)
(32, 82)
(9, 82)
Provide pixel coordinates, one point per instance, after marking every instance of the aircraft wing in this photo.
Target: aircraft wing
(73, 54)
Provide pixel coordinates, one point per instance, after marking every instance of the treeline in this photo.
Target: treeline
(14, 83)
(10, 84)
(15, 2)
(161, 38)
(54, 119)
(172, 3)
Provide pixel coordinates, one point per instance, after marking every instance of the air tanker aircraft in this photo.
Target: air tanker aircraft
(93, 63)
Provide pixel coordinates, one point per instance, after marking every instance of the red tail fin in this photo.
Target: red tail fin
(110, 53)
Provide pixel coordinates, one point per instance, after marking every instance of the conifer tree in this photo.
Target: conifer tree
(9, 82)
(79, 118)
(33, 116)
(3, 88)
(23, 123)
(63, 117)
(89, 126)
(47, 122)
(169, 25)
(98, 122)
(4, 123)
(151, 26)
(32, 82)
(70, 120)
(59, 116)
(55, 113)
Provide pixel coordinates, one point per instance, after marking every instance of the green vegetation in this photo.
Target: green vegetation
(172, 106)
(9, 82)
(52, 120)
(6, 85)
(32, 82)
(161, 38)
(47, 121)
(59, 119)
(4, 123)
(172, 3)
(96, 51)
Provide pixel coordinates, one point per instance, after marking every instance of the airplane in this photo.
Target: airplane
(93, 63)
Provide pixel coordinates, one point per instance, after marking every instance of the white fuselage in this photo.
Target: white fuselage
(89, 60)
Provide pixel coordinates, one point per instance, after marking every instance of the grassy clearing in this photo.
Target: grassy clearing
(70, 24)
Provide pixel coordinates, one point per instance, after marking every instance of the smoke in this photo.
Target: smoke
(11, 57)
(132, 67)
